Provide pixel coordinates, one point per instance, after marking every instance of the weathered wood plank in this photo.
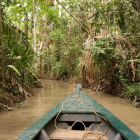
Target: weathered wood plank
(81, 117)
(75, 135)
(43, 135)
(78, 107)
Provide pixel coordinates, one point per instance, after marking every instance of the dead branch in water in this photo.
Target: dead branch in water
(2, 106)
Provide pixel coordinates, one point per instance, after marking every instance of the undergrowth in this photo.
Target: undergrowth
(130, 92)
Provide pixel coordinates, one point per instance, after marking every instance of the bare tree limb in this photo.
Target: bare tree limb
(74, 18)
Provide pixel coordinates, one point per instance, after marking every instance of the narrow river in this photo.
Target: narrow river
(13, 123)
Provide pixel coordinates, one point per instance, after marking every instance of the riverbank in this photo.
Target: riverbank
(7, 101)
(10, 99)
(11, 96)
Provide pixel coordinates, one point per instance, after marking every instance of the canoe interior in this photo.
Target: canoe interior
(92, 122)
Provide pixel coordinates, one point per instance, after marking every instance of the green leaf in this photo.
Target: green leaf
(122, 18)
(120, 24)
(135, 60)
(14, 68)
(112, 19)
(102, 16)
(43, 52)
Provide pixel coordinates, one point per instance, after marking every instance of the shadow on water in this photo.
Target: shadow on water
(12, 124)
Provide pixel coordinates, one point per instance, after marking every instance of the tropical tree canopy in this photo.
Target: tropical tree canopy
(96, 42)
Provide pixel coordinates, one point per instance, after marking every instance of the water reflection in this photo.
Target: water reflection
(12, 124)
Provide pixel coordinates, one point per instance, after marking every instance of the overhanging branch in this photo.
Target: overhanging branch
(74, 18)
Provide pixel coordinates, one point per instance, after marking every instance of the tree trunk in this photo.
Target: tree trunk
(26, 23)
(34, 16)
(60, 8)
(19, 21)
(40, 66)
(2, 61)
(46, 44)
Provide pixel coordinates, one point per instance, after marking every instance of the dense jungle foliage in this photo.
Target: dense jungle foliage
(94, 42)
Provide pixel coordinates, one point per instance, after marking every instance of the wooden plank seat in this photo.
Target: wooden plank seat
(76, 135)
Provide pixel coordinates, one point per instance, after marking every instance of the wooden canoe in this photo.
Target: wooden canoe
(90, 125)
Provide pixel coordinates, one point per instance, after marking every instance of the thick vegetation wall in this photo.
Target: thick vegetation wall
(94, 42)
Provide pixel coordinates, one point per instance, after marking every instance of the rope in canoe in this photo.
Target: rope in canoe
(85, 134)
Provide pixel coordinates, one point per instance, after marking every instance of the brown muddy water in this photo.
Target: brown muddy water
(13, 123)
